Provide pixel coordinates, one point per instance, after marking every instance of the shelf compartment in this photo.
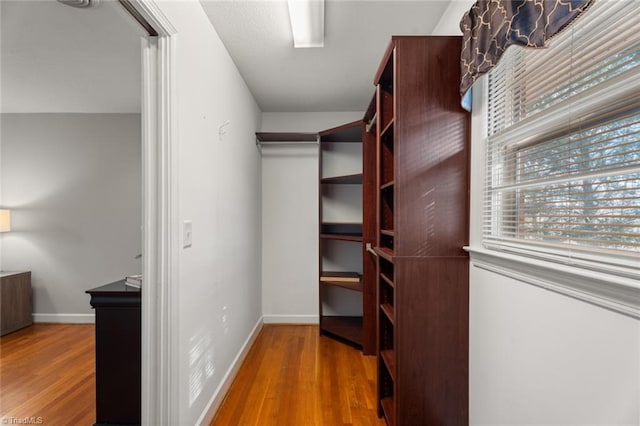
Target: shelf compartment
(387, 186)
(341, 231)
(348, 280)
(387, 166)
(354, 179)
(388, 280)
(388, 232)
(387, 309)
(389, 358)
(385, 253)
(347, 328)
(386, 100)
(342, 237)
(387, 224)
(387, 133)
(387, 410)
(386, 294)
(386, 242)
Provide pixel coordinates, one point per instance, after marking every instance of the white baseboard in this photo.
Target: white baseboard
(218, 396)
(290, 319)
(65, 318)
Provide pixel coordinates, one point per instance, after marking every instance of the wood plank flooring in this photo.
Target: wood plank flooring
(293, 376)
(47, 372)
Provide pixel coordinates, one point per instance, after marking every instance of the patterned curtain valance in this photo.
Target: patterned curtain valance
(493, 25)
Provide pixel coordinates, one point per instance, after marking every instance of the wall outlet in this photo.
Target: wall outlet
(187, 233)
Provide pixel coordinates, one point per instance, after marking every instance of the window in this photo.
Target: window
(563, 144)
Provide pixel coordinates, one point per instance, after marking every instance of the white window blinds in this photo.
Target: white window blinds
(563, 140)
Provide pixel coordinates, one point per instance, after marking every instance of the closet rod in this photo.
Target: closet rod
(283, 138)
(258, 142)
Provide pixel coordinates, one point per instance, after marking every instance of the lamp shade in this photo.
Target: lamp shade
(5, 220)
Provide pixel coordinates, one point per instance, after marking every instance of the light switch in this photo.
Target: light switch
(187, 233)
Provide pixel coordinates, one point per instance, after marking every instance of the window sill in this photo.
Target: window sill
(603, 288)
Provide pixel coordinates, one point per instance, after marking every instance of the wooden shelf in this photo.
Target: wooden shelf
(339, 279)
(388, 129)
(347, 328)
(349, 286)
(349, 228)
(286, 137)
(389, 358)
(385, 253)
(387, 280)
(387, 409)
(389, 232)
(341, 231)
(342, 237)
(387, 308)
(388, 185)
(355, 179)
(350, 132)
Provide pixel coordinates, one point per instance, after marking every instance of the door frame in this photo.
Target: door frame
(160, 387)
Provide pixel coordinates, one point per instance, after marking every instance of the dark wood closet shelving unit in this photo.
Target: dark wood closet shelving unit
(422, 224)
(358, 330)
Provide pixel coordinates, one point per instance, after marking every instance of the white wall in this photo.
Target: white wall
(541, 358)
(290, 217)
(449, 23)
(73, 182)
(219, 295)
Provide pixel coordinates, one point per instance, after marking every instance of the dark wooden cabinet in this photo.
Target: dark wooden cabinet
(422, 217)
(118, 353)
(16, 311)
(342, 267)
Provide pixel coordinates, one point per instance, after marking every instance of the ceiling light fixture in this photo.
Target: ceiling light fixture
(80, 3)
(307, 22)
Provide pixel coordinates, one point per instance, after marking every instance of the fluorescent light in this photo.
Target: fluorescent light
(307, 22)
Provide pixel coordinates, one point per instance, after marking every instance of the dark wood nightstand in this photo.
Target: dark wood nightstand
(16, 310)
(118, 353)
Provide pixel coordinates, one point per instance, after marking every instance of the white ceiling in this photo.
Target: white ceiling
(57, 58)
(337, 77)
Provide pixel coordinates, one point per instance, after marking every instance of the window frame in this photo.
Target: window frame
(612, 282)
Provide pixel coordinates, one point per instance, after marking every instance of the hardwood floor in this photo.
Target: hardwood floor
(293, 376)
(47, 373)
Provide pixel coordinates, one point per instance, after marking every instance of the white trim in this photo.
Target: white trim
(478, 132)
(218, 396)
(160, 396)
(154, 16)
(599, 288)
(290, 319)
(65, 318)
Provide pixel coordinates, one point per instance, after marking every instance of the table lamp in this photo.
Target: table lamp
(5, 220)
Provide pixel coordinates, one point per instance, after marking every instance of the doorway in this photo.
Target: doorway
(155, 153)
